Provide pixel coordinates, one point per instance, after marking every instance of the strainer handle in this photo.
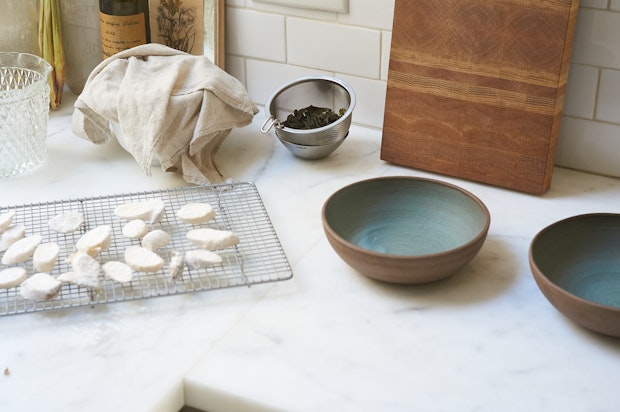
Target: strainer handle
(269, 123)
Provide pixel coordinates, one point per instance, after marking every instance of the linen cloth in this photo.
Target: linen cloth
(169, 104)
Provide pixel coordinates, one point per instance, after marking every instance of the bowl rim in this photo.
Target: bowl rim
(482, 234)
(539, 274)
(305, 79)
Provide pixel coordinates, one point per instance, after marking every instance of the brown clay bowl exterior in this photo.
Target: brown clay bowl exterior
(405, 230)
(576, 264)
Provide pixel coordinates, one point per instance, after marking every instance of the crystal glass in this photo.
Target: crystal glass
(24, 110)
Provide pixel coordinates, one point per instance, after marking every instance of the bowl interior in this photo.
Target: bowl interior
(405, 216)
(581, 255)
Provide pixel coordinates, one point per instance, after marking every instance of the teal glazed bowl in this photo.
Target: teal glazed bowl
(576, 265)
(405, 229)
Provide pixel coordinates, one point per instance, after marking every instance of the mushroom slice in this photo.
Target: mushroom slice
(66, 222)
(201, 258)
(86, 271)
(135, 229)
(118, 271)
(11, 277)
(151, 210)
(142, 259)
(95, 239)
(67, 277)
(11, 235)
(196, 213)
(176, 266)
(156, 239)
(212, 239)
(45, 256)
(21, 250)
(40, 286)
(6, 219)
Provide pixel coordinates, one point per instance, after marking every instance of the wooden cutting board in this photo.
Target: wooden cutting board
(475, 88)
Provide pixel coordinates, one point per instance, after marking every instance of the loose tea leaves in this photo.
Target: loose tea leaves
(312, 117)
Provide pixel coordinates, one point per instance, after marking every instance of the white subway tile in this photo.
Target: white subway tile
(254, 34)
(370, 100)
(596, 4)
(235, 66)
(328, 5)
(589, 146)
(608, 104)
(386, 43)
(335, 47)
(236, 3)
(580, 99)
(264, 78)
(596, 38)
(293, 11)
(369, 13)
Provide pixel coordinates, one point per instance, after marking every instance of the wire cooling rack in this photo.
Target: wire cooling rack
(257, 258)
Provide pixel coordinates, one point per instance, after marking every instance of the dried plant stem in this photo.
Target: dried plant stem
(50, 44)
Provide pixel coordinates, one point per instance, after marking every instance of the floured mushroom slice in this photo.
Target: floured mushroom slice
(212, 239)
(22, 250)
(135, 229)
(118, 271)
(11, 235)
(95, 240)
(156, 239)
(66, 222)
(6, 219)
(142, 259)
(176, 266)
(11, 277)
(40, 286)
(201, 258)
(45, 256)
(150, 211)
(85, 271)
(67, 277)
(196, 213)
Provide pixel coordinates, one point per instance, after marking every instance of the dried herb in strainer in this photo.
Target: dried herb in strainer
(312, 117)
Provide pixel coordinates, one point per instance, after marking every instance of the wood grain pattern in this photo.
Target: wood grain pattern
(475, 88)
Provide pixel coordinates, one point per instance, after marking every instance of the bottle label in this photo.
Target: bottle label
(120, 33)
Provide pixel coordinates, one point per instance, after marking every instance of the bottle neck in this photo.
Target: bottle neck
(121, 7)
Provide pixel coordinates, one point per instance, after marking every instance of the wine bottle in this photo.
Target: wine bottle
(124, 24)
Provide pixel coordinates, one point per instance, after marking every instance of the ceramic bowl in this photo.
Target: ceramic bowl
(576, 264)
(405, 229)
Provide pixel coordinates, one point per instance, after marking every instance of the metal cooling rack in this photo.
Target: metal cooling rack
(257, 258)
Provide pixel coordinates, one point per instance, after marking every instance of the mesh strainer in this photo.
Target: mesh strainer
(319, 91)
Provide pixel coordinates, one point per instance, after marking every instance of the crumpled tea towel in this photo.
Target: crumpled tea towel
(168, 104)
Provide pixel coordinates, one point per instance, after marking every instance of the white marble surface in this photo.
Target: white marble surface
(329, 339)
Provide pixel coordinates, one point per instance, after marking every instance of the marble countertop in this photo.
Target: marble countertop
(329, 339)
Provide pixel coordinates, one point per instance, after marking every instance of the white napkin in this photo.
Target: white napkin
(169, 104)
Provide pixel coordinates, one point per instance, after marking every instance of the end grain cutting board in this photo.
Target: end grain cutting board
(475, 88)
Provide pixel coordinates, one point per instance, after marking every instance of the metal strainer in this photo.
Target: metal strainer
(319, 91)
